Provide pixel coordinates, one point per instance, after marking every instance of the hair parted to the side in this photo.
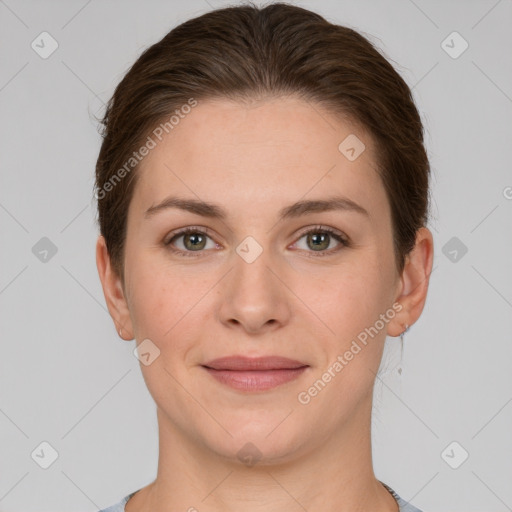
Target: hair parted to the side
(245, 53)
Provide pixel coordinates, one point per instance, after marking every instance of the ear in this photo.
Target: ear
(413, 285)
(113, 291)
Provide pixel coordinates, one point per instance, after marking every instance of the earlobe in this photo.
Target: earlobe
(113, 291)
(415, 280)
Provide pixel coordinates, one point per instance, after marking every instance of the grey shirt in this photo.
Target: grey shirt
(403, 505)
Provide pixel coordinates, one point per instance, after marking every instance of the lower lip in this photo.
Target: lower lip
(255, 380)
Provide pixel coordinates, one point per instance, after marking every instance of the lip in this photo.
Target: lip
(243, 363)
(254, 374)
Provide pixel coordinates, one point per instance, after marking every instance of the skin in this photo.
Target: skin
(253, 160)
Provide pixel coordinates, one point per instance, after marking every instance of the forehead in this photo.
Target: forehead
(264, 154)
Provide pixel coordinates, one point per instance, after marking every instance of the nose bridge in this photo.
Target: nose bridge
(252, 262)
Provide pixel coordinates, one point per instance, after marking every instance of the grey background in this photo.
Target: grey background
(68, 379)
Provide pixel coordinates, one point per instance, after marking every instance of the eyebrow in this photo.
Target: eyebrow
(213, 211)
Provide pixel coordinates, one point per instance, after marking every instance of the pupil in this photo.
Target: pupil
(322, 238)
(195, 239)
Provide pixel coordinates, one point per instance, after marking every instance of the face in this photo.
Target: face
(261, 273)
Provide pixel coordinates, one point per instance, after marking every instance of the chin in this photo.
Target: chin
(258, 443)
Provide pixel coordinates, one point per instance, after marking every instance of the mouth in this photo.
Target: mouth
(254, 374)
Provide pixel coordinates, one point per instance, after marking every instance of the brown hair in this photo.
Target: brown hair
(246, 52)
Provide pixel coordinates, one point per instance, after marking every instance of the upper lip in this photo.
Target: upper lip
(241, 363)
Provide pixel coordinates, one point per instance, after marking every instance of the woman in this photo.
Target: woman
(263, 193)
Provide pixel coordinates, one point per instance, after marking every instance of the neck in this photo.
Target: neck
(334, 475)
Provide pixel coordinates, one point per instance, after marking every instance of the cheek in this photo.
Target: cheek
(166, 305)
(155, 307)
(347, 295)
(351, 305)
(353, 354)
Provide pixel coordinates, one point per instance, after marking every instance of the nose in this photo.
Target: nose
(254, 296)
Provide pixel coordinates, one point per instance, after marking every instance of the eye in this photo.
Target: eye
(193, 241)
(189, 240)
(320, 240)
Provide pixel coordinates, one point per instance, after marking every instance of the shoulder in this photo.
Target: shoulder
(118, 507)
(404, 506)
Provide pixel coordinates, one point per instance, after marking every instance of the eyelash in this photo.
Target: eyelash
(203, 231)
